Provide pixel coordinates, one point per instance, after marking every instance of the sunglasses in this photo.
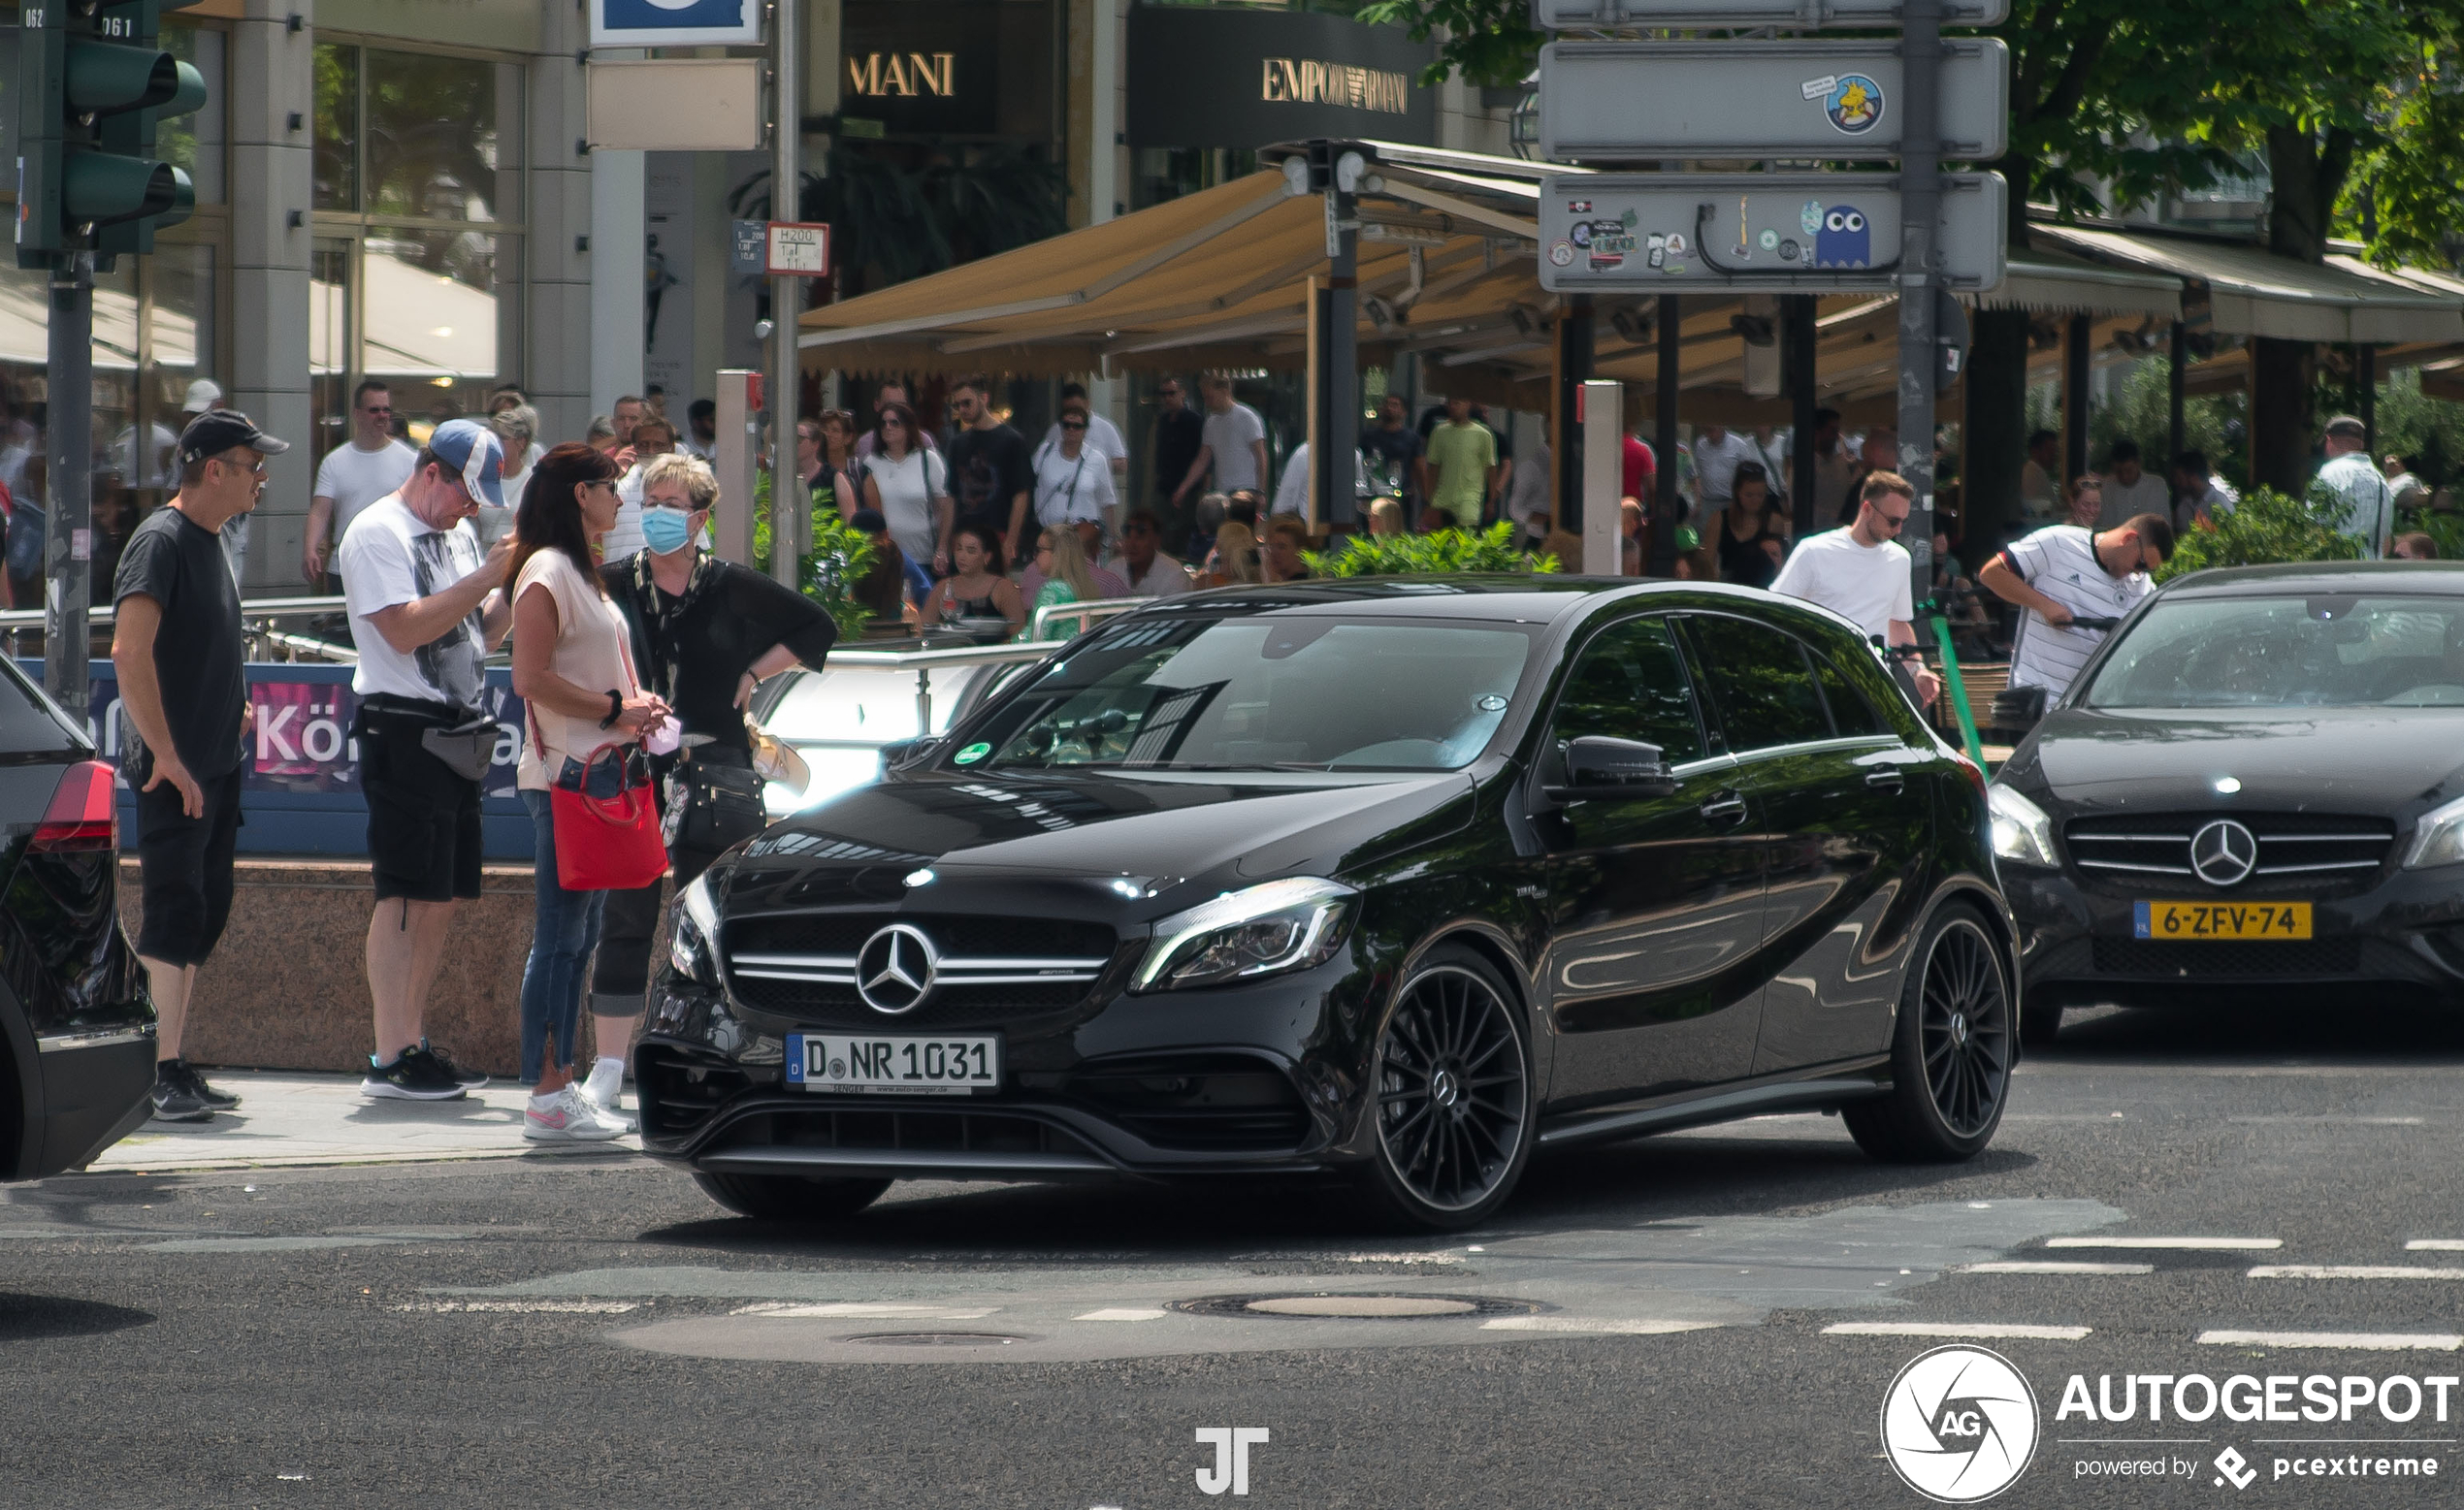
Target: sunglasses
(892, 422)
(1893, 522)
(1073, 424)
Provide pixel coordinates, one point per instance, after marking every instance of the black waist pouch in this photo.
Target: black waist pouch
(466, 748)
(710, 807)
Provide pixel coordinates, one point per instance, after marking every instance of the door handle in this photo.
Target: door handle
(1888, 779)
(1725, 808)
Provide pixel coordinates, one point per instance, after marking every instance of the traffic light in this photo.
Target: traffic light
(94, 87)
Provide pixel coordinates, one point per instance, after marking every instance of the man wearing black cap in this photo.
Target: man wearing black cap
(183, 686)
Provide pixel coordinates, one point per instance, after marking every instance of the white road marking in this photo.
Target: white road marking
(1611, 1326)
(2351, 1271)
(548, 1307)
(875, 1309)
(2435, 1245)
(1122, 1314)
(2053, 1267)
(1985, 1329)
(2355, 1341)
(2186, 1244)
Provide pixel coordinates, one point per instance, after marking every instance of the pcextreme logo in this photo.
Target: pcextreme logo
(1958, 1424)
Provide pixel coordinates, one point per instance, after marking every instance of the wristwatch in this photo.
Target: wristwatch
(615, 708)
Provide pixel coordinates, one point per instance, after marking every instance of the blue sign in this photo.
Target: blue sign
(673, 23)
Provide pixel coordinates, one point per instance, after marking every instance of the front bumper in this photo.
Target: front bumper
(1256, 1080)
(2075, 935)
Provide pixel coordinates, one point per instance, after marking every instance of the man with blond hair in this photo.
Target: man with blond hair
(1862, 572)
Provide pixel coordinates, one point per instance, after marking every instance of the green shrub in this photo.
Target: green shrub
(1444, 553)
(841, 556)
(2265, 526)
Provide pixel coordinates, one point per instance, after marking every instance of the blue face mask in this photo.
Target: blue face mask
(665, 530)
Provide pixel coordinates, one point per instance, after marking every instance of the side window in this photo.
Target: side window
(1630, 684)
(1852, 713)
(1760, 682)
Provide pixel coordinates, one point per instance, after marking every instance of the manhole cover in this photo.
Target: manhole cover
(934, 1338)
(1324, 1304)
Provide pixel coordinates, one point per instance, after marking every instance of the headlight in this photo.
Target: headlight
(1261, 930)
(2022, 831)
(2439, 838)
(692, 933)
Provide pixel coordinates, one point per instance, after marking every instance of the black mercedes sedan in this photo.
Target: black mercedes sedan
(76, 1027)
(1396, 879)
(2257, 780)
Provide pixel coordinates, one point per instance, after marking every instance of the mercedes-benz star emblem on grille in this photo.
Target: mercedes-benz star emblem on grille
(895, 968)
(2222, 853)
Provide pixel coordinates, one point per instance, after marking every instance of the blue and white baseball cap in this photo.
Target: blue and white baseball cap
(472, 449)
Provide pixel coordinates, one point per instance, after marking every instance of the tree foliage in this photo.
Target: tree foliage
(1441, 552)
(841, 557)
(2265, 527)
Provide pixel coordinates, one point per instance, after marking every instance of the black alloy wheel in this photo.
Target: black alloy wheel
(1454, 1092)
(1952, 1050)
(790, 1198)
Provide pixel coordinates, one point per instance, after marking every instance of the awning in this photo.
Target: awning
(2253, 292)
(2051, 282)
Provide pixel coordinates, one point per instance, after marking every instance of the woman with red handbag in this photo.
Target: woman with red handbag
(594, 822)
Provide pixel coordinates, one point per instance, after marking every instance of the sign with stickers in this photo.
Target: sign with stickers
(1801, 232)
(1814, 99)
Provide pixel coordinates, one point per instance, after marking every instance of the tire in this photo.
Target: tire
(1951, 1050)
(2039, 1024)
(790, 1198)
(1453, 1125)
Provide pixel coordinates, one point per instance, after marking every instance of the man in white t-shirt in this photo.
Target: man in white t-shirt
(2360, 485)
(353, 475)
(425, 609)
(1101, 434)
(1142, 567)
(2064, 573)
(1232, 441)
(1717, 454)
(1863, 573)
(2130, 489)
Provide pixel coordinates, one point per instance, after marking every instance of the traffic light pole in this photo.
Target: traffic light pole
(1919, 220)
(68, 548)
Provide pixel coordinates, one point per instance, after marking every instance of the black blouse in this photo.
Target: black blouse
(693, 650)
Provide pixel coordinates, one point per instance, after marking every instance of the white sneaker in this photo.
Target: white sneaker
(569, 1119)
(606, 1090)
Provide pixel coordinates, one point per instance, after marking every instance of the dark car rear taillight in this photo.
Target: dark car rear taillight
(82, 815)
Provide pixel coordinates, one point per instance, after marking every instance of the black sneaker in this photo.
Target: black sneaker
(415, 1077)
(220, 1101)
(175, 1101)
(463, 1075)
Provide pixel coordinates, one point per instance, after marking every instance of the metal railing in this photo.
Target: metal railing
(1085, 613)
(258, 618)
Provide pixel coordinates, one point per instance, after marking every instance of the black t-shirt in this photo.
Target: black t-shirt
(1391, 454)
(199, 661)
(1177, 436)
(988, 469)
(693, 650)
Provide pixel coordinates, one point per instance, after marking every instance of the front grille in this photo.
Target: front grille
(988, 969)
(953, 1132)
(1198, 1102)
(2305, 850)
(2293, 958)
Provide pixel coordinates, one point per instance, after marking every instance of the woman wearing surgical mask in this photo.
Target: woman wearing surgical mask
(705, 632)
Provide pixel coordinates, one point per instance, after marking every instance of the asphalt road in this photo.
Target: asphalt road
(1647, 1325)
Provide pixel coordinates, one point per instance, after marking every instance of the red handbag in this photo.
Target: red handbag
(603, 843)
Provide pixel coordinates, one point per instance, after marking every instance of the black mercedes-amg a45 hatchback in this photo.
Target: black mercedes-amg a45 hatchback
(1398, 880)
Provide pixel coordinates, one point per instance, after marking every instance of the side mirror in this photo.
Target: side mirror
(1596, 765)
(901, 752)
(2018, 709)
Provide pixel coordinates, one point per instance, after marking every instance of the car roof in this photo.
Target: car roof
(2284, 579)
(1530, 597)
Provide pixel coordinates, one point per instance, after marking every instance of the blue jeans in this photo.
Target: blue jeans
(562, 935)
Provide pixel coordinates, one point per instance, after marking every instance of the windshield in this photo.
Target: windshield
(1249, 693)
(2346, 650)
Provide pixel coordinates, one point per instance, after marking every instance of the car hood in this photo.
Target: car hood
(2325, 759)
(1153, 838)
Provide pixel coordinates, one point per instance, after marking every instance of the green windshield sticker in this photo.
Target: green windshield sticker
(972, 754)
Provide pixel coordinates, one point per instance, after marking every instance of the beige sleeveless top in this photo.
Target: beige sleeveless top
(591, 652)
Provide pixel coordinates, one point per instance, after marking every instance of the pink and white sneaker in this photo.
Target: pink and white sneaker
(567, 1118)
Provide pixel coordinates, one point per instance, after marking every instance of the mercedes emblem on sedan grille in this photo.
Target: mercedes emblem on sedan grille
(895, 968)
(2222, 853)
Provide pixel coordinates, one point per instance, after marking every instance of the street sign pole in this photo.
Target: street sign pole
(1921, 199)
(789, 516)
(68, 548)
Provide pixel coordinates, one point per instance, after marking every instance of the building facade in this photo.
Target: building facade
(405, 190)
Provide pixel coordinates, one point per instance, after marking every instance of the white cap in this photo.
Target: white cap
(203, 395)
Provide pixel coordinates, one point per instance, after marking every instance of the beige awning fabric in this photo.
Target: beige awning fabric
(2052, 282)
(2252, 292)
